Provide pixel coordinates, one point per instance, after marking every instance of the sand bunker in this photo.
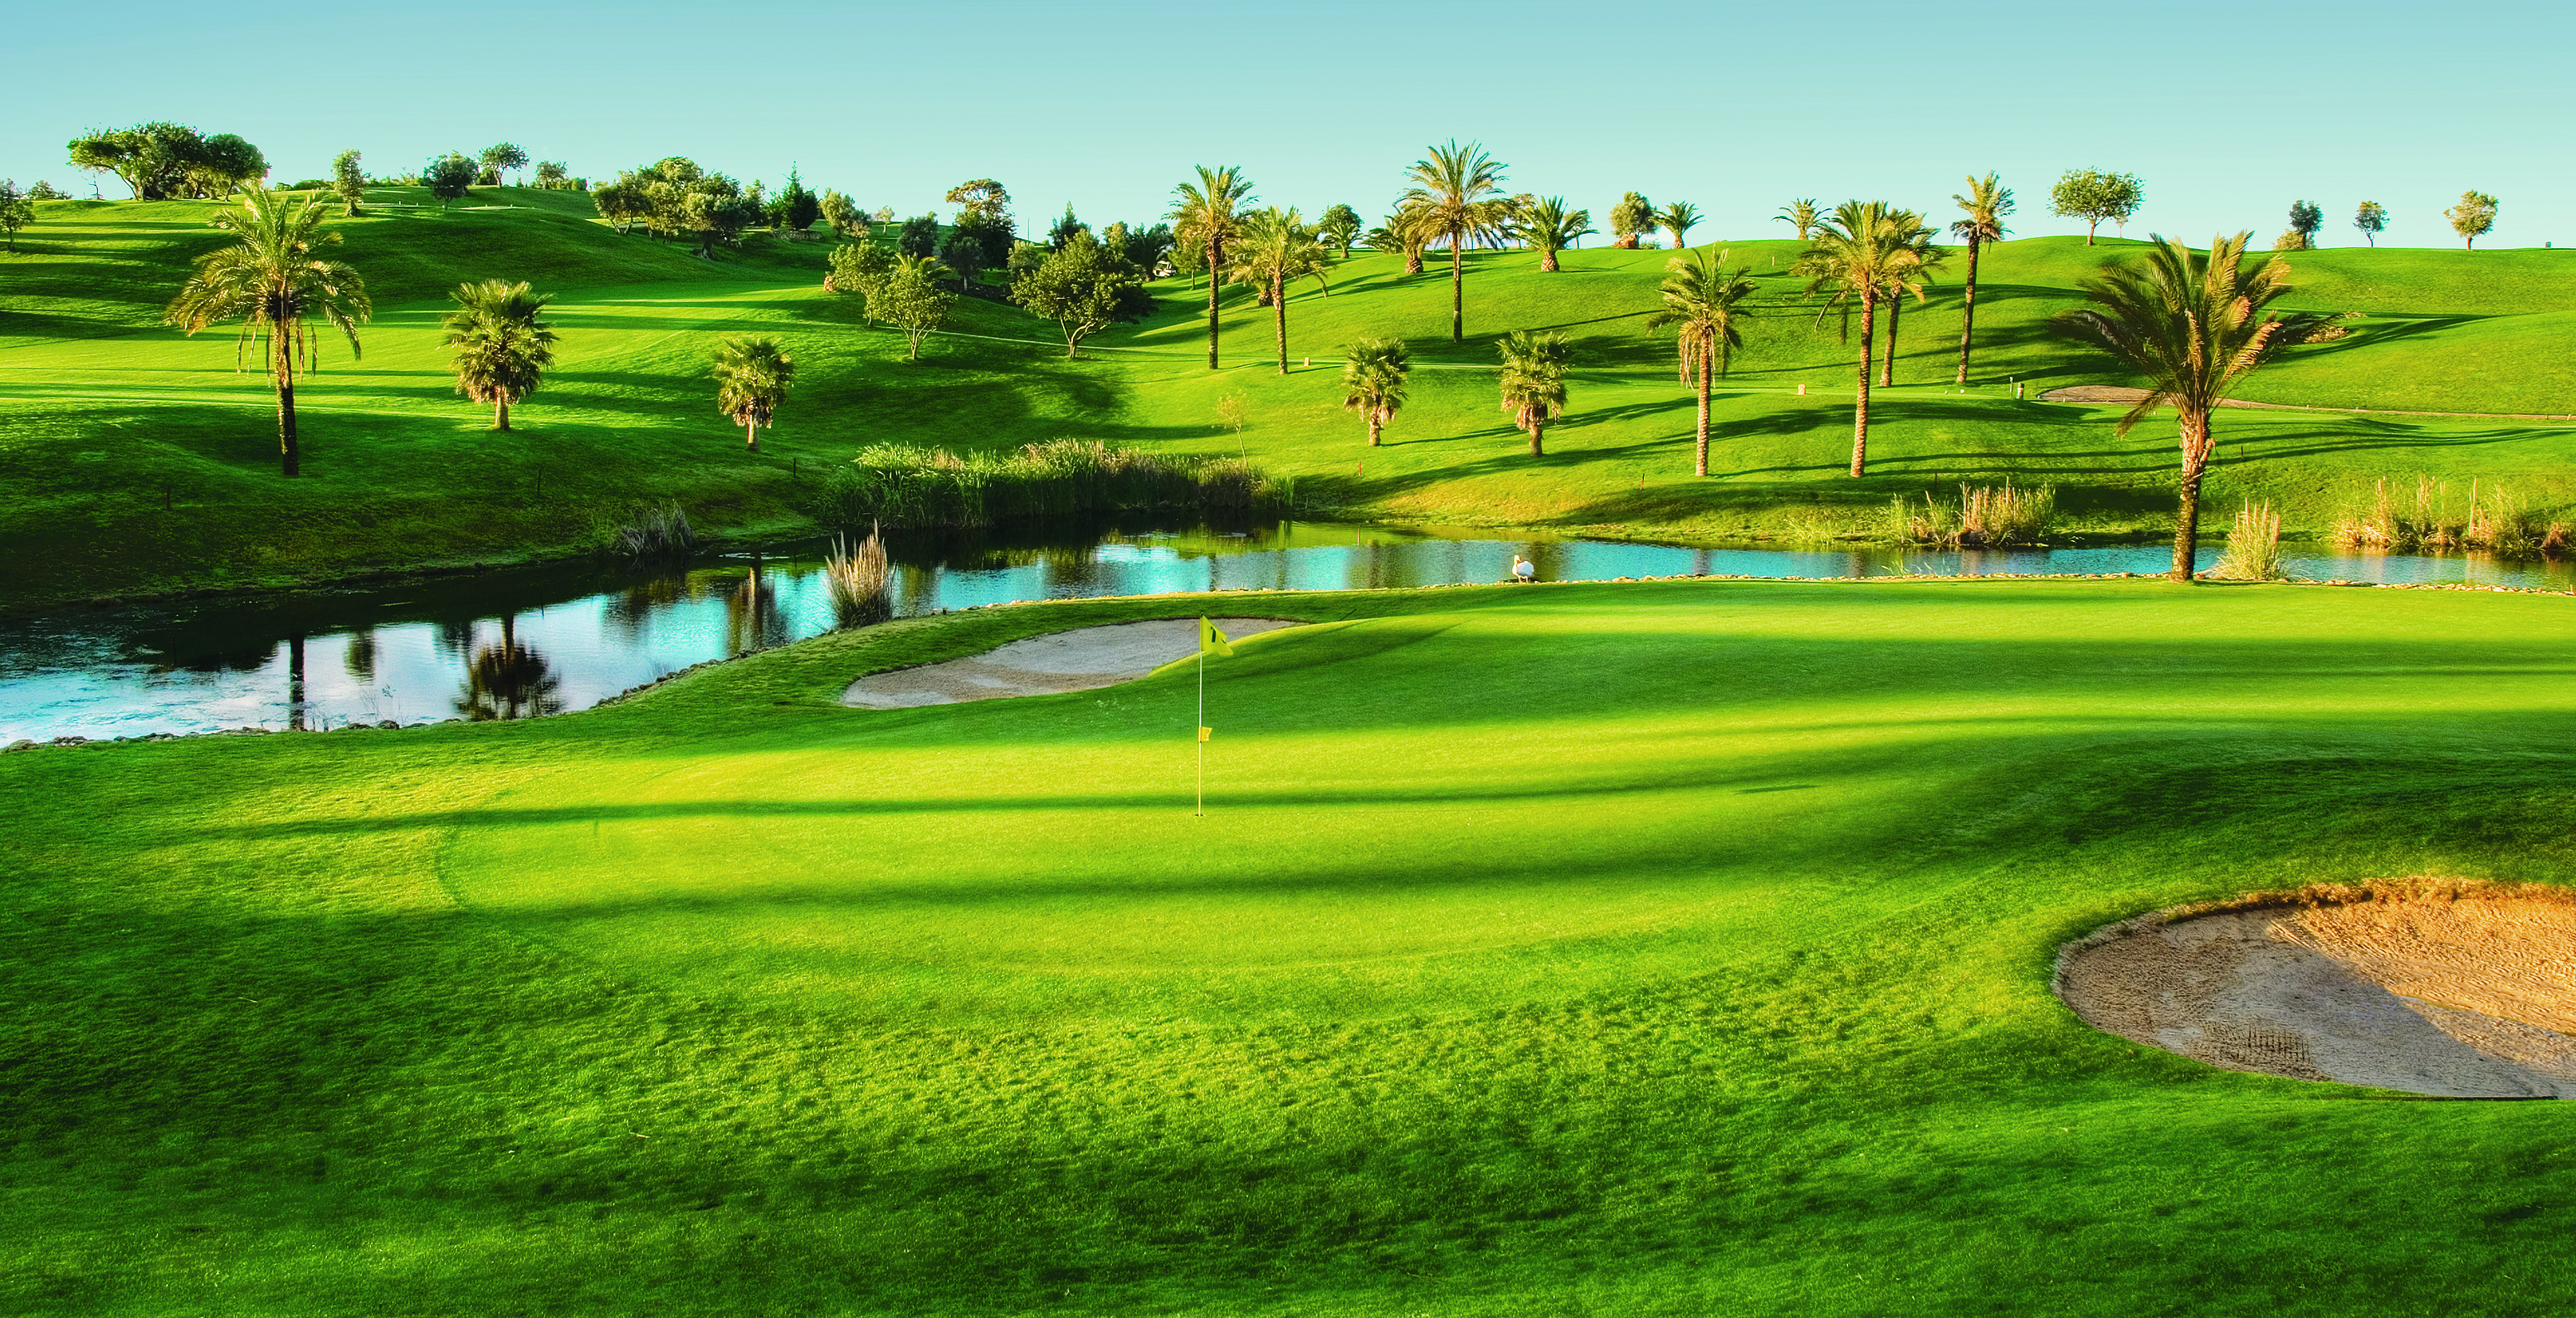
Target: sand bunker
(1042, 665)
(2438, 988)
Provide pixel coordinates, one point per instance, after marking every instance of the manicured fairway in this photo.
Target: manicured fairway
(1665, 948)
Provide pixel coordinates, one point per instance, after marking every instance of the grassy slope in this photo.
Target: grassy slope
(119, 476)
(1672, 948)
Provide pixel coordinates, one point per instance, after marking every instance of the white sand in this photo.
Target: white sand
(1080, 660)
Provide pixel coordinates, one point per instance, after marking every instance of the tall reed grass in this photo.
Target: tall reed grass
(2253, 547)
(859, 580)
(906, 486)
(656, 535)
(2495, 520)
(1985, 517)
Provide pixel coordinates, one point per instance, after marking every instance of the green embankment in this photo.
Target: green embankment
(1675, 948)
(133, 460)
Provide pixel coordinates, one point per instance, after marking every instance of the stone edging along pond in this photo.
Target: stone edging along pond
(389, 725)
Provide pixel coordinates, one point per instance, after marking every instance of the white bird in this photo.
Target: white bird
(1523, 569)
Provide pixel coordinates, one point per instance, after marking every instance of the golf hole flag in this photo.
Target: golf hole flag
(1211, 641)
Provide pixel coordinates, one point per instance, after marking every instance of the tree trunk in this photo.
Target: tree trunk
(1375, 421)
(1538, 433)
(1547, 261)
(290, 457)
(500, 412)
(1895, 308)
(1860, 412)
(1279, 309)
(1413, 261)
(295, 682)
(2195, 460)
(1968, 312)
(1457, 287)
(2089, 227)
(1700, 463)
(1215, 254)
(751, 435)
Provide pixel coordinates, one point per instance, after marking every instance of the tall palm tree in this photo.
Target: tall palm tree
(1207, 211)
(1987, 203)
(752, 375)
(1917, 237)
(1454, 188)
(1548, 227)
(2196, 326)
(270, 280)
(1676, 218)
(1534, 381)
(501, 349)
(1860, 253)
(1276, 248)
(1706, 300)
(1374, 379)
(1800, 215)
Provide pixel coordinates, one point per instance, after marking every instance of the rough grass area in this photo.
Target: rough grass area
(1671, 948)
(132, 460)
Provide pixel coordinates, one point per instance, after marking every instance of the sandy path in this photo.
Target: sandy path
(1079, 660)
(2111, 393)
(2463, 994)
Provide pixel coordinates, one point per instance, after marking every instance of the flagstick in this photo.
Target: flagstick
(1201, 736)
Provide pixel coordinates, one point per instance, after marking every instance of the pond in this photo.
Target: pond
(524, 642)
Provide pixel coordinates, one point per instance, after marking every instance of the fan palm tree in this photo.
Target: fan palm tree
(1917, 237)
(270, 279)
(1800, 215)
(1453, 189)
(1676, 218)
(501, 349)
(1987, 203)
(752, 375)
(1208, 212)
(1548, 227)
(1706, 301)
(1276, 248)
(2196, 326)
(1373, 381)
(1861, 254)
(1534, 381)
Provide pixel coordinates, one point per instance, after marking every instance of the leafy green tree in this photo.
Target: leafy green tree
(554, 176)
(499, 158)
(1146, 247)
(1705, 303)
(225, 163)
(499, 348)
(1085, 286)
(842, 214)
(160, 160)
(2094, 195)
(16, 211)
(2372, 219)
(1677, 218)
(1534, 366)
(963, 254)
(44, 191)
(919, 238)
(348, 181)
(1981, 221)
(1374, 380)
(1549, 228)
(2473, 217)
(1917, 237)
(983, 197)
(752, 377)
(714, 209)
(797, 208)
(1278, 248)
(1188, 258)
(1340, 226)
(1453, 188)
(623, 203)
(2306, 217)
(1633, 215)
(860, 268)
(1801, 215)
(448, 177)
(1205, 215)
(1065, 227)
(272, 279)
(1861, 253)
(2197, 327)
(912, 299)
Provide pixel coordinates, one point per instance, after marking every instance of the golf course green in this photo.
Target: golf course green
(1640, 948)
(136, 461)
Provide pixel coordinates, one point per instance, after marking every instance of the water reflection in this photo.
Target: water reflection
(509, 680)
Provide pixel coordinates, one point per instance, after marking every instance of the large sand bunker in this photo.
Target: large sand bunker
(1063, 661)
(2458, 990)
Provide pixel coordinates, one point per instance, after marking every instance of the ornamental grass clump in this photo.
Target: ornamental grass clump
(906, 485)
(2253, 547)
(656, 535)
(858, 578)
(2497, 521)
(1986, 517)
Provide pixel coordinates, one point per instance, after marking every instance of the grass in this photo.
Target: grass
(134, 461)
(1640, 949)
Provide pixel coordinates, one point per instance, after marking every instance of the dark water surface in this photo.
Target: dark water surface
(523, 642)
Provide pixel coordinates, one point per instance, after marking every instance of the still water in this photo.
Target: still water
(520, 643)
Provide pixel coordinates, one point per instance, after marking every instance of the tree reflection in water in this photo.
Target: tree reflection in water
(509, 680)
(753, 620)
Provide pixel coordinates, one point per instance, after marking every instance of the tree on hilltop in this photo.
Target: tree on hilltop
(1278, 248)
(1632, 216)
(2372, 219)
(1704, 302)
(555, 176)
(1205, 213)
(1800, 215)
(272, 279)
(918, 238)
(795, 208)
(17, 211)
(2472, 217)
(1677, 218)
(498, 347)
(2306, 217)
(982, 197)
(1861, 252)
(499, 158)
(1340, 226)
(163, 160)
(1375, 377)
(1534, 366)
(448, 177)
(1981, 221)
(842, 214)
(2094, 196)
(1549, 228)
(1065, 227)
(911, 298)
(348, 181)
(1453, 188)
(752, 378)
(1085, 286)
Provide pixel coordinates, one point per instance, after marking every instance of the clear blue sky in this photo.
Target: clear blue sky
(2228, 112)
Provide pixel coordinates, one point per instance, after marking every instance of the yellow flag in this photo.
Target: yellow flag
(1203, 733)
(1212, 641)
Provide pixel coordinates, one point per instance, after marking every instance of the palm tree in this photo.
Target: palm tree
(2196, 327)
(1676, 218)
(1453, 188)
(1706, 300)
(1917, 238)
(501, 348)
(270, 280)
(752, 375)
(1801, 215)
(1206, 210)
(1534, 381)
(1405, 231)
(1987, 203)
(1373, 381)
(1860, 252)
(1277, 247)
(1548, 227)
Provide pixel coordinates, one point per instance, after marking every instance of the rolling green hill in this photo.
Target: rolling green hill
(133, 460)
